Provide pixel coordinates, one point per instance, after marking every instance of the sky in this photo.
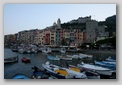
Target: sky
(19, 17)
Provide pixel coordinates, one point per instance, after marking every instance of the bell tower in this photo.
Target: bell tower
(59, 23)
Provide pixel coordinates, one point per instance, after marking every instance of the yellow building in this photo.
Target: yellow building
(52, 37)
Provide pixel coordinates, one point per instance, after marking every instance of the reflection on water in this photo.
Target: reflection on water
(40, 58)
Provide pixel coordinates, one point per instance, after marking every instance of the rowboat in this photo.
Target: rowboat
(11, 60)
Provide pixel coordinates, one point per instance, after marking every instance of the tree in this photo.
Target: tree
(111, 41)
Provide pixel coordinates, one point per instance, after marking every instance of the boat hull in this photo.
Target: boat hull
(99, 70)
(53, 73)
(89, 74)
(53, 58)
(20, 76)
(63, 73)
(25, 60)
(107, 65)
(11, 60)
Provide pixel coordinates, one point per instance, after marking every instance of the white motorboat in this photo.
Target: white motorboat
(98, 69)
(63, 73)
(88, 73)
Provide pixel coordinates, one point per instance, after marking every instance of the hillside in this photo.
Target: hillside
(81, 26)
(110, 22)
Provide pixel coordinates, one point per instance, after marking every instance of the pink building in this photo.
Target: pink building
(47, 37)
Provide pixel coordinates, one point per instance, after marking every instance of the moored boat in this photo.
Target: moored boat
(81, 56)
(107, 65)
(62, 50)
(25, 60)
(55, 71)
(110, 59)
(109, 62)
(27, 50)
(52, 57)
(21, 50)
(34, 50)
(64, 57)
(47, 50)
(98, 69)
(88, 73)
(63, 73)
(14, 50)
(20, 76)
(70, 48)
(11, 60)
(41, 74)
(74, 56)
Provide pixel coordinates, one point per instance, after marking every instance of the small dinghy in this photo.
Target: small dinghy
(20, 76)
(25, 60)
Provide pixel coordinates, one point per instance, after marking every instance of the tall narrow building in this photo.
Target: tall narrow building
(91, 27)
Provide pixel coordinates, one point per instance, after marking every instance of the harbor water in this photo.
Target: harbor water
(40, 58)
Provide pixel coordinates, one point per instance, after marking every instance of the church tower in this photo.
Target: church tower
(59, 23)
